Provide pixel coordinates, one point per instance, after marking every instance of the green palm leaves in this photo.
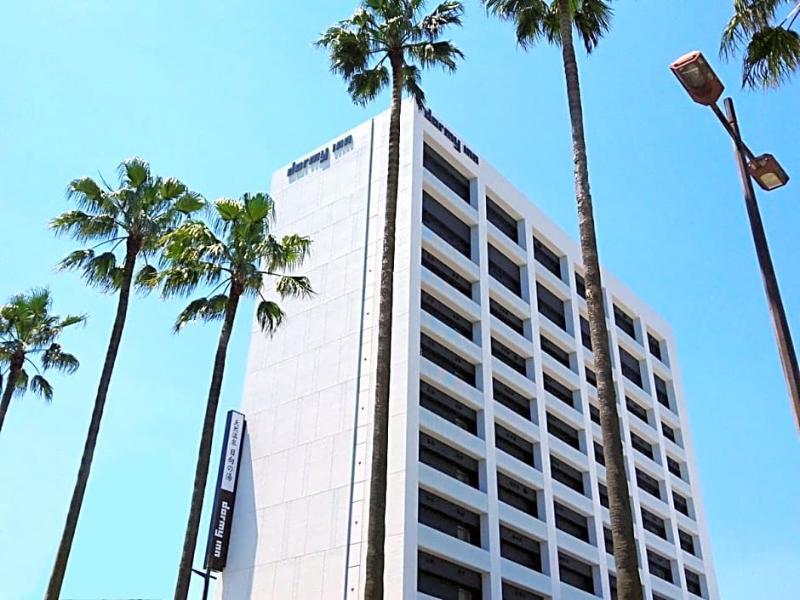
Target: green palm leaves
(235, 253)
(29, 332)
(771, 51)
(383, 34)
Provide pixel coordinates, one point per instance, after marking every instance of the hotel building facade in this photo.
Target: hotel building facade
(496, 477)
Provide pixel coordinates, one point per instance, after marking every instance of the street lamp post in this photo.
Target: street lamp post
(704, 87)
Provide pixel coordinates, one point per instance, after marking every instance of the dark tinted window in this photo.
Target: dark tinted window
(506, 355)
(669, 433)
(511, 399)
(636, 409)
(580, 285)
(602, 494)
(444, 172)
(504, 270)
(661, 391)
(575, 573)
(446, 315)
(687, 541)
(442, 579)
(506, 316)
(681, 503)
(546, 257)
(599, 456)
(654, 524)
(449, 461)
(624, 321)
(558, 390)
(447, 407)
(631, 368)
(501, 219)
(571, 522)
(693, 582)
(586, 336)
(449, 518)
(446, 225)
(520, 549)
(551, 306)
(608, 541)
(654, 345)
(590, 376)
(512, 592)
(448, 275)
(564, 432)
(641, 446)
(447, 359)
(648, 484)
(517, 494)
(659, 566)
(566, 474)
(674, 467)
(554, 351)
(512, 444)
(594, 413)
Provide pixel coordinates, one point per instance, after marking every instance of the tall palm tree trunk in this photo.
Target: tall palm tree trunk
(629, 586)
(68, 535)
(11, 382)
(204, 451)
(376, 532)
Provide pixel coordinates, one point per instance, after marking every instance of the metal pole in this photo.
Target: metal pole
(779, 322)
(207, 577)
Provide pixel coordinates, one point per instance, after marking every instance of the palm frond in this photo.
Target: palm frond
(592, 21)
(364, 86)
(41, 387)
(204, 309)
(771, 58)
(21, 383)
(269, 316)
(446, 14)
(55, 358)
(293, 286)
(411, 84)
(98, 270)
(85, 227)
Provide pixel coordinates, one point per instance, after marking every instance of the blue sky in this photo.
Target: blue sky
(221, 94)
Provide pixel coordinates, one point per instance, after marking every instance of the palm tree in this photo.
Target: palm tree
(388, 42)
(237, 254)
(771, 51)
(133, 216)
(554, 21)
(28, 329)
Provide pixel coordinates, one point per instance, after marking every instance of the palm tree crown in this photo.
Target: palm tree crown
(235, 255)
(537, 20)
(138, 213)
(396, 32)
(771, 51)
(28, 329)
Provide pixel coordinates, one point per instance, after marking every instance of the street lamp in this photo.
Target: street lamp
(704, 87)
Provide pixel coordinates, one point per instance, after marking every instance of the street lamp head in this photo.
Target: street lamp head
(699, 79)
(767, 172)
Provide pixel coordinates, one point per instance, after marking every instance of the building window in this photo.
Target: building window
(515, 445)
(599, 456)
(518, 495)
(648, 484)
(504, 315)
(449, 518)
(659, 566)
(501, 219)
(551, 306)
(674, 467)
(446, 173)
(558, 390)
(654, 524)
(602, 494)
(567, 474)
(436, 401)
(631, 367)
(624, 321)
(669, 433)
(566, 433)
(446, 315)
(661, 391)
(520, 548)
(511, 399)
(571, 522)
(636, 409)
(642, 446)
(546, 257)
(580, 285)
(575, 573)
(687, 542)
(512, 592)
(655, 346)
(506, 355)
(446, 225)
(594, 413)
(681, 503)
(693, 583)
(554, 351)
(447, 359)
(447, 460)
(586, 336)
(590, 376)
(608, 541)
(446, 274)
(442, 579)
(504, 270)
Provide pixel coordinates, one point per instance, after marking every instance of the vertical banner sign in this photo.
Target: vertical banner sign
(219, 531)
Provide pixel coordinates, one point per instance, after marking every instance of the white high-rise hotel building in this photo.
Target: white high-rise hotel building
(496, 478)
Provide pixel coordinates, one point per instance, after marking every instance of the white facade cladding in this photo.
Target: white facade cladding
(495, 456)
